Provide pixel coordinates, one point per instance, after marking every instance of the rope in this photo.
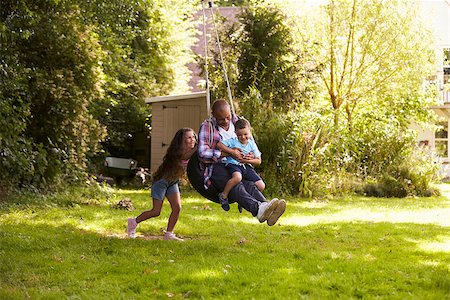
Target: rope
(208, 96)
(230, 98)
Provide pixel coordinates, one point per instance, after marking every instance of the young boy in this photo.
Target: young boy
(244, 169)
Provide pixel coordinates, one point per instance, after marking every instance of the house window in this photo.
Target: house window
(441, 139)
(446, 56)
(446, 66)
(446, 75)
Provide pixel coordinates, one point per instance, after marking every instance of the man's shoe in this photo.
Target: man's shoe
(171, 236)
(131, 229)
(280, 207)
(224, 202)
(265, 210)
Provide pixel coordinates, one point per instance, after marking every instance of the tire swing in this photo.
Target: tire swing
(195, 176)
(194, 173)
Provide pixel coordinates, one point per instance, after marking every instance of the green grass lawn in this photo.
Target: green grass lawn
(74, 246)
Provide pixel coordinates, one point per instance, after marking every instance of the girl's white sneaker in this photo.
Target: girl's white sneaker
(171, 236)
(131, 228)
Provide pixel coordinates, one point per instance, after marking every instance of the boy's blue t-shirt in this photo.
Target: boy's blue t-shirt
(234, 143)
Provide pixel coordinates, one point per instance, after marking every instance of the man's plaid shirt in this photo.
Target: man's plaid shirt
(208, 137)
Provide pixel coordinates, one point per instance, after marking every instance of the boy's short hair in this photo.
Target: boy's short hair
(242, 123)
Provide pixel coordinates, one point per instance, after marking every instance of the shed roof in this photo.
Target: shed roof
(175, 97)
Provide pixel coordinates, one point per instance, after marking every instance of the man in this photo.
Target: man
(221, 127)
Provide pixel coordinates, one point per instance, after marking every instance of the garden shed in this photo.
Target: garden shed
(170, 113)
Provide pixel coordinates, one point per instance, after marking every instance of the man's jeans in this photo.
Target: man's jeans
(246, 194)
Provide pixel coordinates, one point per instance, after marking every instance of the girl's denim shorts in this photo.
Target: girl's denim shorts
(162, 188)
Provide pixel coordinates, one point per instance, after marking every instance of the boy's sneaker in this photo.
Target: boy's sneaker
(171, 236)
(132, 224)
(265, 210)
(280, 207)
(224, 202)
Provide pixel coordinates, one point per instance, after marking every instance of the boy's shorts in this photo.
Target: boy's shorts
(162, 188)
(247, 171)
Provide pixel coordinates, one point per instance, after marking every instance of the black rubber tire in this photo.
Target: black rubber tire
(196, 178)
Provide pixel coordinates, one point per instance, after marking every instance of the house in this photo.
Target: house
(197, 80)
(437, 14)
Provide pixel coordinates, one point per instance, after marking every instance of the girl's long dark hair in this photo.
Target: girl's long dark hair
(171, 168)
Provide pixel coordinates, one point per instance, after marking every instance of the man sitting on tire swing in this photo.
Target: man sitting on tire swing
(221, 127)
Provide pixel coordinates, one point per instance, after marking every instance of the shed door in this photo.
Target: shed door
(176, 117)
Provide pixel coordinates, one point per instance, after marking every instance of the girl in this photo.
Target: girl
(165, 182)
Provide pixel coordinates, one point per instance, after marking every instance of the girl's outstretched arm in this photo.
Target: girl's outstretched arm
(189, 153)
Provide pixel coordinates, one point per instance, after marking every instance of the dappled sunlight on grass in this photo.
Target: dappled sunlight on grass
(98, 221)
(442, 244)
(444, 188)
(207, 274)
(287, 271)
(214, 218)
(430, 263)
(196, 201)
(310, 204)
(431, 216)
(305, 213)
(206, 217)
(133, 192)
(352, 248)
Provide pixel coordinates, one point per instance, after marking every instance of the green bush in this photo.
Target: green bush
(412, 177)
(69, 69)
(304, 151)
(16, 150)
(260, 54)
(65, 195)
(267, 60)
(302, 156)
(288, 141)
(50, 75)
(387, 186)
(147, 48)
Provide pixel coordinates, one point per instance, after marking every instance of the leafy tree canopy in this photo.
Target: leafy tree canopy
(73, 70)
(375, 55)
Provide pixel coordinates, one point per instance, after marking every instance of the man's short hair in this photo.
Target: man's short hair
(219, 105)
